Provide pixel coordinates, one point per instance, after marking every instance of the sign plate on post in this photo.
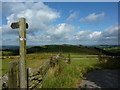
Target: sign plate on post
(16, 25)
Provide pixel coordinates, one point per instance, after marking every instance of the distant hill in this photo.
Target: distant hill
(56, 49)
(9, 47)
(61, 48)
(111, 49)
(64, 49)
(115, 50)
(105, 46)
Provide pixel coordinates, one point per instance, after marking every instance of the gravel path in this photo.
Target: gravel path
(101, 79)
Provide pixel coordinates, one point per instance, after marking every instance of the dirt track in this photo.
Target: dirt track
(101, 79)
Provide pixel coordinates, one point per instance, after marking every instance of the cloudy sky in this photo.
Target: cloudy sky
(86, 23)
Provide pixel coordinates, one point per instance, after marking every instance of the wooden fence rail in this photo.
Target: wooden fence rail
(35, 79)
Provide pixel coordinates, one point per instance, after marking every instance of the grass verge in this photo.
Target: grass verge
(73, 73)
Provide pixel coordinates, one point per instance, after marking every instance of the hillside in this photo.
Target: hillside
(64, 49)
(109, 49)
(115, 50)
(56, 49)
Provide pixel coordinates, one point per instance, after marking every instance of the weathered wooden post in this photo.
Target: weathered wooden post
(23, 72)
(22, 63)
(12, 75)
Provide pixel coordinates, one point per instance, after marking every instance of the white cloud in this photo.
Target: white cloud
(61, 33)
(83, 35)
(17, 0)
(93, 18)
(95, 34)
(107, 36)
(38, 15)
(72, 16)
(41, 30)
(111, 31)
(110, 35)
(63, 28)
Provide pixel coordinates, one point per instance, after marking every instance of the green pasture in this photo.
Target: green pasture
(70, 75)
(33, 60)
(73, 73)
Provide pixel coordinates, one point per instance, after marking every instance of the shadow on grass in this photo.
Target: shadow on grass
(105, 75)
(113, 64)
(103, 78)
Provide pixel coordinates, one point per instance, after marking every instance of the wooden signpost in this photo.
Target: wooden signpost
(22, 25)
(15, 25)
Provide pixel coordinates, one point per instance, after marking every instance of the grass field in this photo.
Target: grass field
(73, 73)
(70, 75)
(34, 60)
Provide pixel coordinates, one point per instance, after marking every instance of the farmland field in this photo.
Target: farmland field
(33, 60)
(71, 74)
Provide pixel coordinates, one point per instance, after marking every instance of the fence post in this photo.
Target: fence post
(22, 65)
(12, 75)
